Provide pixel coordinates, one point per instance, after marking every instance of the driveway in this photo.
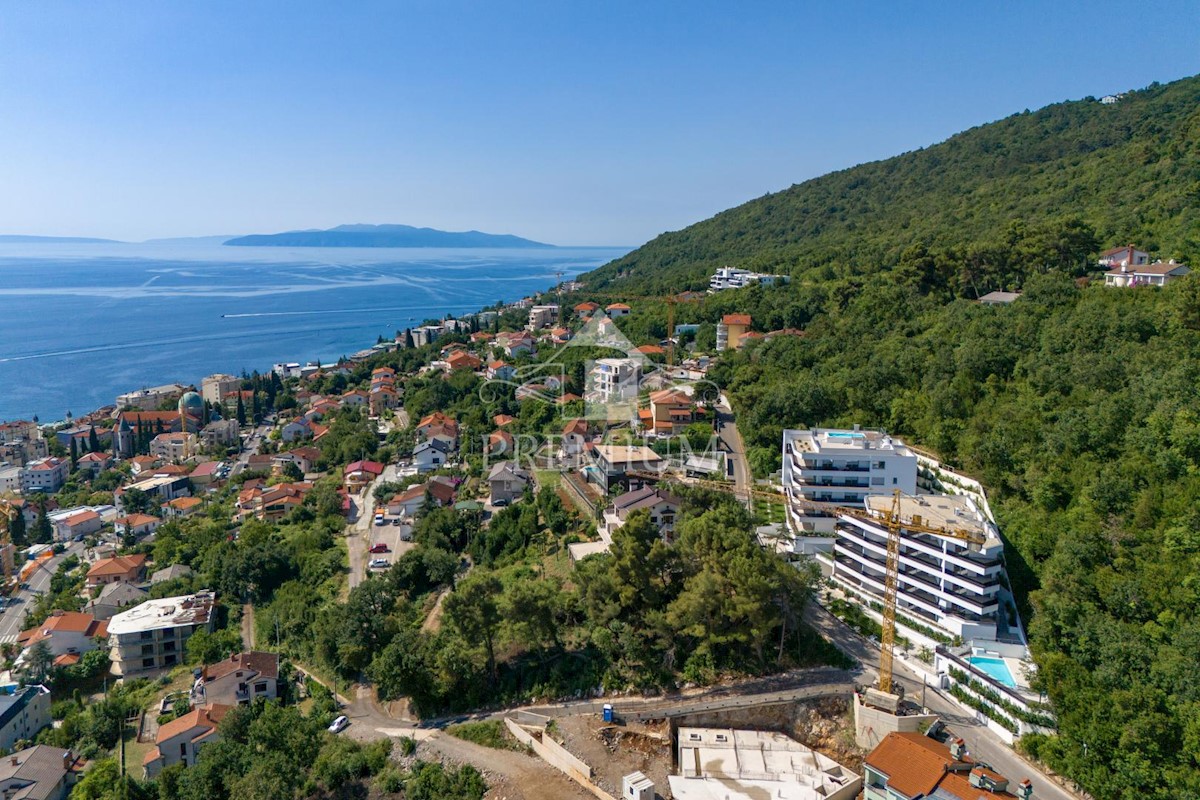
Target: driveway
(735, 449)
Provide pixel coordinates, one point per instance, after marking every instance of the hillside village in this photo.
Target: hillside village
(556, 492)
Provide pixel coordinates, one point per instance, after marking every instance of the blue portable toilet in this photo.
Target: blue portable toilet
(608, 712)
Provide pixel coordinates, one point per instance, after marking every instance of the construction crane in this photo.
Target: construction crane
(894, 523)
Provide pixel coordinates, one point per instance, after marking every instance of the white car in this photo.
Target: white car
(379, 563)
(340, 724)
(379, 519)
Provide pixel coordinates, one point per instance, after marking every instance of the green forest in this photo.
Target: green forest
(1130, 172)
(1077, 406)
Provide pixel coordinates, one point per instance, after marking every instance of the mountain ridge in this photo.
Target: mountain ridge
(362, 235)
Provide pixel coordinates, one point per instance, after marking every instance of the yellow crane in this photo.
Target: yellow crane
(894, 523)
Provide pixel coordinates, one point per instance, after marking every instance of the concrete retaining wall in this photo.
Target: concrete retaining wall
(558, 757)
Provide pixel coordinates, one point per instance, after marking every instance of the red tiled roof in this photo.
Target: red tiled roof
(66, 621)
(917, 766)
(373, 467)
(134, 520)
(736, 319)
(117, 565)
(196, 718)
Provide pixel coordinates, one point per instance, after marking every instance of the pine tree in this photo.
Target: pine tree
(241, 410)
(43, 532)
(93, 440)
(16, 530)
(74, 454)
(408, 340)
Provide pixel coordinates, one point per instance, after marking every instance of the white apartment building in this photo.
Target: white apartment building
(944, 582)
(150, 399)
(735, 278)
(542, 317)
(154, 634)
(841, 467)
(215, 388)
(613, 380)
(174, 447)
(44, 475)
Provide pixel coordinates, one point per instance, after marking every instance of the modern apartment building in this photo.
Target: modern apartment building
(44, 475)
(154, 634)
(613, 380)
(841, 467)
(215, 388)
(944, 582)
(734, 278)
(731, 330)
(150, 399)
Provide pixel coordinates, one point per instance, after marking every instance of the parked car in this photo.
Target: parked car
(380, 547)
(500, 502)
(379, 563)
(379, 519)
(340, 724)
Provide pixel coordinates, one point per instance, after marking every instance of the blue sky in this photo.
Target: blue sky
(570, 122)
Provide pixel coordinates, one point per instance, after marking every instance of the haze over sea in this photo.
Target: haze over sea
(82, 323)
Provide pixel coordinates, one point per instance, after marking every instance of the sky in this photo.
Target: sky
(571, 122)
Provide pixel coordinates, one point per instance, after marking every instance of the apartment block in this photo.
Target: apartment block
(944, 582)
(154, 635)
(832, 467)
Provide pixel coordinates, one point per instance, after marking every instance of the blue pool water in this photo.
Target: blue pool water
(995, 668)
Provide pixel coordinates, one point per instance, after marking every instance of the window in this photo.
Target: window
(722, 737)
(147, 663)
(893, 481)
(877, 481)
(146, 635)
(147, 649)
(693, 737)
(260, 687)
(183, 749)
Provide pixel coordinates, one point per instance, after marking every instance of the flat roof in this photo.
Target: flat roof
(165, 612)
(833, 441)
(938, 510)
(627, 454)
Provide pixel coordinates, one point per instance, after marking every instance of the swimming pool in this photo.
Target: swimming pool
(995, 668)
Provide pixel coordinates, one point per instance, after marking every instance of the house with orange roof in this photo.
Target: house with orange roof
(481, 336)
(180, 740)
(95, 463)
(500, 443)
(181, 507)
(651, 350)
(730, 331)
(238, 680)
(139, 465)
(65, 633)
(359, 475)
(356, 398)
(78, 525)
(382, 398)
(568, 397)
(118, 569)
(500, 371)
(914, 765)
(501, 420)
(461, 359)
(136, 525)
(617, 309)
(574, 437)
(561, 335)
(586, 309)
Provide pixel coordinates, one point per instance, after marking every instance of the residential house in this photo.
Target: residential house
(586, 309)
(355, 398)
(542, 317)
(731, 330)
(500, 443)
(306, 458)
(408, 502)
(1127, 256)
(360, 474)
(81, 435)
(119, 569)
(652, 350)
(481, 337)
(65, 633)
(19, 430)
(158, 487)
(171, 573)
(10, 478)
(907, 765)
(430, 455)
(507, 482)
(44, 475)
(180, 740)
(500, 371)
(381, 399)
(574, 437)
(435, 421)
(561, 335)
(613, 463)
(174, 447)
(270, 503)
(114, 598)
(662, 507)
(138, 525)
(299, 428)
(95, 463)
(617, 310)
(154, 634)
(670, 411)
(181, 507)
(515, 344)
(502, 420)
(40, 772)
(76, 526)
(238, 680)
(1156, 274)
(463, 360)
(215, 388)
(23, 712)
(206, 473)
(141, 466)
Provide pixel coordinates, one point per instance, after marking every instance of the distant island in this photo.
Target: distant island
(22, 239)
(382, 236)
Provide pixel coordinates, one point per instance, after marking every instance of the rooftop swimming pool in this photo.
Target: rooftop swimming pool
(995, 668)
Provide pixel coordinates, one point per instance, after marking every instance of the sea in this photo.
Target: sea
(82, 323)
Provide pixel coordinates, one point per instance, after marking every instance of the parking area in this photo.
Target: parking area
(397, 539)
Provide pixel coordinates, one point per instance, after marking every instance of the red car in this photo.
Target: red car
(380, 547)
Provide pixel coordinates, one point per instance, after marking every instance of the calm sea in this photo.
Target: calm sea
(80, 324)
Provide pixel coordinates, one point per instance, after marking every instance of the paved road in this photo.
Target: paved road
(982, 744)
(735, 449)
(12, 621)
(256, 438)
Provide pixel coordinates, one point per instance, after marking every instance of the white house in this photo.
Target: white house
(430, 455)
(180, 740)
(44, 475)
(662, 507)
(507, 482)
(1156, 274)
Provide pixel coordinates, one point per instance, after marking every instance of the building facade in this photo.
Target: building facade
(154, 634)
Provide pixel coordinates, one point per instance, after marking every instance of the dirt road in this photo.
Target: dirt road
(510, 775)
